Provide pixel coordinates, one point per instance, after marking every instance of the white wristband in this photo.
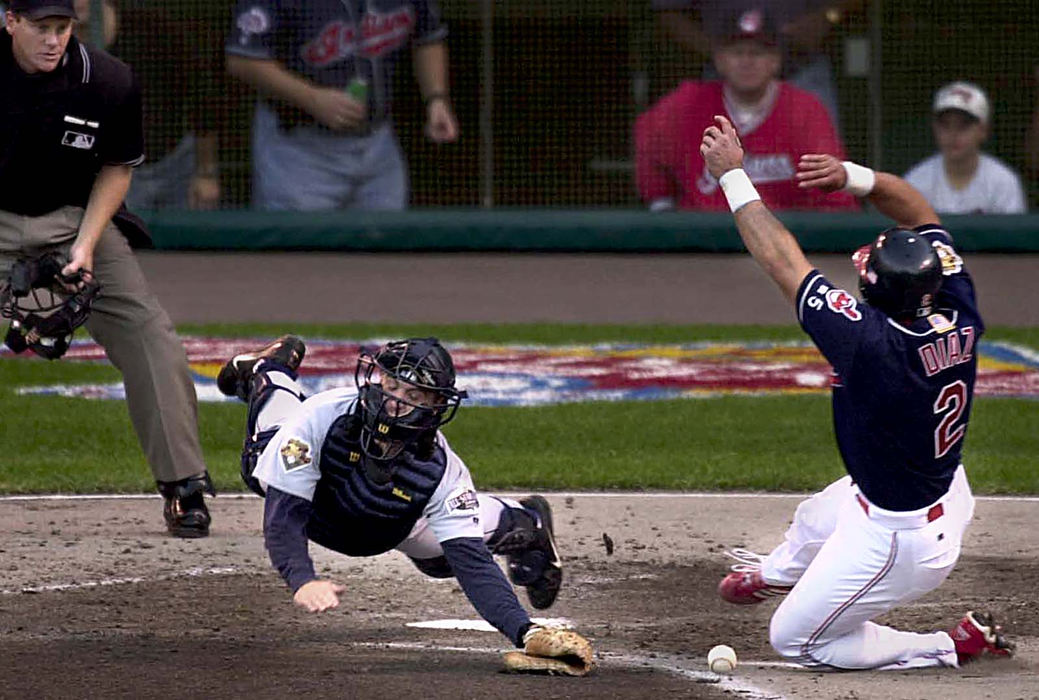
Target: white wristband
(860, 179)
(738, 189)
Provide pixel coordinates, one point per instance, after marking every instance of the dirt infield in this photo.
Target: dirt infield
(96, 598)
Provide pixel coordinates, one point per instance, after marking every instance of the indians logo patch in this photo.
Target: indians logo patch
(840, 302)
(295, 454)
(253, 21)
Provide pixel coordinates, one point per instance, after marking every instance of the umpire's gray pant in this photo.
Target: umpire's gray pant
(134, 330)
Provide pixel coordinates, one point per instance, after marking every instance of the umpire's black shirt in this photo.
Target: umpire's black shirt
(57, 129)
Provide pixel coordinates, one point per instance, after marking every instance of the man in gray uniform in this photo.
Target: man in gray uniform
(70, 136)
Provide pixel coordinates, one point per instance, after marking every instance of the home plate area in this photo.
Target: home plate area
(210, 618)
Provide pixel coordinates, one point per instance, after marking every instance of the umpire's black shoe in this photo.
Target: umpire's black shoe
(543, 591)
(234, 378)
(185, 506)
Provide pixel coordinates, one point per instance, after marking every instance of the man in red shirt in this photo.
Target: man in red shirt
(777, 122)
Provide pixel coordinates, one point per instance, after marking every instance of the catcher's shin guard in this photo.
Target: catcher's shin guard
(184, 508)
(235, 378)
(262, 388)
(527, 539)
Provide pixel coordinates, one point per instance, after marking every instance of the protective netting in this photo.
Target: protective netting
(547, 91)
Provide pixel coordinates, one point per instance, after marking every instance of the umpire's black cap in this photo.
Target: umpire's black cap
(38, 9)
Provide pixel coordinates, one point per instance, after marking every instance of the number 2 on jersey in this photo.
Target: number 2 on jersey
(951, 401)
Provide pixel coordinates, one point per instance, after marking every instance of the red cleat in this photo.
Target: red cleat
(977, 635)
(745, 586)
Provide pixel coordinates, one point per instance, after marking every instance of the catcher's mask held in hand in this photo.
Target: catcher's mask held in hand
(391, 422)
(45, 306)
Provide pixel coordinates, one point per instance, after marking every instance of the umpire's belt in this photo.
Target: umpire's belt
(907, 520)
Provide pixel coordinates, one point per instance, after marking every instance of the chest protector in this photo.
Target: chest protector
(362, 507)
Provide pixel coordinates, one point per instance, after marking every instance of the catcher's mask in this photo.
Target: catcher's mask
(899, 273)
(45, 307)
(395, 415)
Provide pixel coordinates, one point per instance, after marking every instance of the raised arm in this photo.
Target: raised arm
(771, 244)
(891, 195)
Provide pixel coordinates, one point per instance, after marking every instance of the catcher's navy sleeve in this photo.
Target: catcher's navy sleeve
(485, 586)
(284, 519)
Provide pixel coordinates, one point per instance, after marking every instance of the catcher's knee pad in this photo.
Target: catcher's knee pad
(255, 443)
(437, 567)
(262, 388)
(527, 568)
(517, 538)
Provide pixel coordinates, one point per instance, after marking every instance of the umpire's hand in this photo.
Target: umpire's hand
(721, 148)
(318, 595)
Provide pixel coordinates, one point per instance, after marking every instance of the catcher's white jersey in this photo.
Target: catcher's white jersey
(291, 460)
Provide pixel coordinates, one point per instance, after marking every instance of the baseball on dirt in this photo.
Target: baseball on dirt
(722, 658)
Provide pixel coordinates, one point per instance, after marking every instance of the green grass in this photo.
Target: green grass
(762, 443)
(548, 333)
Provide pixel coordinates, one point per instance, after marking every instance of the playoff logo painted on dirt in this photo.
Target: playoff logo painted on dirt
(530, 375)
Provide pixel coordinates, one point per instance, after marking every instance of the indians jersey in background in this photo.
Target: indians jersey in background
(335, 42)
(901, 394)
(669, 165)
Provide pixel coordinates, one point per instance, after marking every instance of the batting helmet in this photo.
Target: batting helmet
(45, 306)
(391, 422)
(899, 273)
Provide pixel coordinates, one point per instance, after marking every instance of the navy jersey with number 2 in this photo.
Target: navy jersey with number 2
(901, 394)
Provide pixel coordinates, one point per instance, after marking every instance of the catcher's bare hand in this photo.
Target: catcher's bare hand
(552, 650)
(721, 147)
(318, 595)
(820, 171)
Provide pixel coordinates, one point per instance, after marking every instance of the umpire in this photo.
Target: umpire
(70, 135)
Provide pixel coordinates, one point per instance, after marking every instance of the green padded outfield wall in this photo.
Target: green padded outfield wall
(604, 230)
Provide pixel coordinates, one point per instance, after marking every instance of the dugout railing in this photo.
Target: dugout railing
(546, 230)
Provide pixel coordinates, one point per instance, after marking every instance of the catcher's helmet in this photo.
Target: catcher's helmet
(45, 306)
(391, 422)
(899, 273)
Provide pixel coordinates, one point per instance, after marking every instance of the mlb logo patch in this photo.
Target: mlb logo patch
(74, 139)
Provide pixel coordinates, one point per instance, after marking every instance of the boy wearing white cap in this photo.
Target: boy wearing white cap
(960, 179)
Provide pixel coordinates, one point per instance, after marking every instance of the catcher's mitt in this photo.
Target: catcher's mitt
(552, 650)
